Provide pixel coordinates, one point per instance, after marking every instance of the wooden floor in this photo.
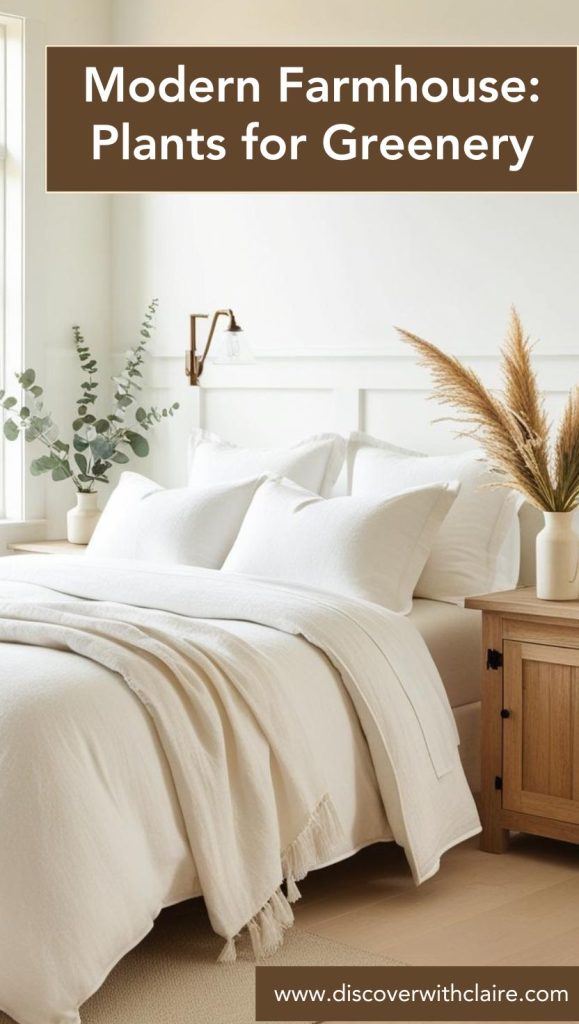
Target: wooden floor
(518, 908)
(521, 907)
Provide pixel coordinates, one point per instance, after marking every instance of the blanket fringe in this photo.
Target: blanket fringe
(228, 954)
(293, 893)
(315, 843)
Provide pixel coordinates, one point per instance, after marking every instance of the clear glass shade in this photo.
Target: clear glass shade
(230, 347)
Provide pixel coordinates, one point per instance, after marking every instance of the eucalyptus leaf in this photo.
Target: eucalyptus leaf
(26, 379)
(11, 430)
(101, 447)
(138, 443)
(39, 423)
(62, 472)
(10, 402)
(44, 464)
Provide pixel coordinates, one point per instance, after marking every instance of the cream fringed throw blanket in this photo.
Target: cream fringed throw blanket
(228, 744)
(237, 756)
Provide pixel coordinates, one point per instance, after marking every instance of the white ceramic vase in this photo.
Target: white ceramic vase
(558, 558)
(82, 519)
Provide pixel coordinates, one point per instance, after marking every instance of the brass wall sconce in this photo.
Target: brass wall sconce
(194, 362)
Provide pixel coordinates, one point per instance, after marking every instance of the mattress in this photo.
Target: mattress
(453, 637)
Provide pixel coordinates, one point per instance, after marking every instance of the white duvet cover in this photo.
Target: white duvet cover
(279, 718)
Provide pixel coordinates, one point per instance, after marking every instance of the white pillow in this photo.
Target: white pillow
(477, 549)
(190, 526)
(368, 549)
(314, 463)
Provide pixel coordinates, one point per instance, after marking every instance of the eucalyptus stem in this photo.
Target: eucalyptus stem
(97, 443)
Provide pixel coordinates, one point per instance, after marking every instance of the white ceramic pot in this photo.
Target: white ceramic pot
(558, 558)
(82, 519)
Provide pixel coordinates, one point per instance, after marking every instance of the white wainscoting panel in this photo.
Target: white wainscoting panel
(288, 414)
(281, 399)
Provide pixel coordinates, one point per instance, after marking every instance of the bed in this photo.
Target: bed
(233, 688)
(101, 835)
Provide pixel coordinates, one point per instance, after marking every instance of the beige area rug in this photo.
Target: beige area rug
(172, 977)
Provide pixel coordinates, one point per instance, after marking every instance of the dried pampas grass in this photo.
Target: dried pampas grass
(513, 430)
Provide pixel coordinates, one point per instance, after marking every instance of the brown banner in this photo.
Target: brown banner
(417, 993)
(311, 119)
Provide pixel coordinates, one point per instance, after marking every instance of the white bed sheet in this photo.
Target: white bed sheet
(453, 637)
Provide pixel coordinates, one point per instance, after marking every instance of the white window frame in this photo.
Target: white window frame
(12, 467)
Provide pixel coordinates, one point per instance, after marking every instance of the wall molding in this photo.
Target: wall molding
(371, 353)
(387, 372)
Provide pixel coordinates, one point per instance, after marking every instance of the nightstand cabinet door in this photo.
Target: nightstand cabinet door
(541, 732)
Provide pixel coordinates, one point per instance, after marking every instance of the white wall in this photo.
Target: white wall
(327, 273)
(346, 21)
(67, 243)
(332, 273)
(336, 271)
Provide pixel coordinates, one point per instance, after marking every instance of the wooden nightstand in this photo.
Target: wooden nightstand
(530, 717)
(47, 547)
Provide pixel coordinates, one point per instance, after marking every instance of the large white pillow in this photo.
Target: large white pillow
(190, 526)
(368, 549)
(477, 549)
(314, 463)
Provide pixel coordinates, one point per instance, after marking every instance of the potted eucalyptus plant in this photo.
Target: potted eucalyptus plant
(96, 442)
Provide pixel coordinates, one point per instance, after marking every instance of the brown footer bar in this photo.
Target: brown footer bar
(417, 993)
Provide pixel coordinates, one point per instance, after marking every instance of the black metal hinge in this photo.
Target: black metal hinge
(494, 658)
(498, 782)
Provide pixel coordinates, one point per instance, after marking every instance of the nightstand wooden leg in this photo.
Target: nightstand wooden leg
(494, 838)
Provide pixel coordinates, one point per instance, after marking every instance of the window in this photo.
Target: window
(11, 248)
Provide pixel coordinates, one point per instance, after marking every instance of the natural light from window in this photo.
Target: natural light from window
(11, 247)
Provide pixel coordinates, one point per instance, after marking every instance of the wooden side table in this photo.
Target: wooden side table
(530, 717)
(47, 547)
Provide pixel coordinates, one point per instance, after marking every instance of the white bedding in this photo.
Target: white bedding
(97, 841)
(453, 636)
